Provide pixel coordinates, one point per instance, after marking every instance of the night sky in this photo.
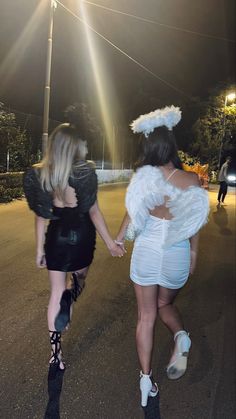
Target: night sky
(191, 63)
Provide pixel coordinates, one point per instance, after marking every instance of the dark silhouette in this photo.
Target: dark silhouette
(152, 410)
(55, 381)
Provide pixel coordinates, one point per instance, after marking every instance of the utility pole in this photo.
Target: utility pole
(8, 160)
(113, 146)
(53, 6)
(103, 150)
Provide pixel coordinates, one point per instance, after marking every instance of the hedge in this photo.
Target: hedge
(11, 183)
(11, 186)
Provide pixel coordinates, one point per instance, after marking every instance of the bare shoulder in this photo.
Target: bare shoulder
(186, 179)
(193, 179)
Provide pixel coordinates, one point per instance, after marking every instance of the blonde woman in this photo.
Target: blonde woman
(63, 189)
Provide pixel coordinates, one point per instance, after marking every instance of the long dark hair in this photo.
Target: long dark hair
(159, 149)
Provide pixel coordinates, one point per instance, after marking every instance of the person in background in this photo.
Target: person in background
(223, 180)
(62, 188)
(166, 207)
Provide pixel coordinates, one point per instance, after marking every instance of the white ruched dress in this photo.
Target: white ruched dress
(161, 253)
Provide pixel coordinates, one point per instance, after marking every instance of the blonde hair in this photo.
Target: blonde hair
(64, 150)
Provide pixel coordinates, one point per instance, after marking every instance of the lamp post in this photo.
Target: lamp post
(103, 150)
(229, 97)
(53, 5)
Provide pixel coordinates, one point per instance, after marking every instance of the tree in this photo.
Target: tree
(89, 128)
(13, 143)
(19, 151)
(80, 116)
(209, 130)
(187, 158)
(7, 130)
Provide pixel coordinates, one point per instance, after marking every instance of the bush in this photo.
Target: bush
(11, 179)
(10, 186)
(8, 194)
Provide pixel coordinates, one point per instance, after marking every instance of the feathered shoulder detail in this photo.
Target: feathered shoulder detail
(83, 168)
(39, 201)
(83, 180)
(148, 189)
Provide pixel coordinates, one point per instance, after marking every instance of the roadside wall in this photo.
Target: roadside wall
(107, 176)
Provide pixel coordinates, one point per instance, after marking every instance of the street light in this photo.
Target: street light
(230, 97)
(53, 6)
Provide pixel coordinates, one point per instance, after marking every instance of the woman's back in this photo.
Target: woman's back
(179, 179)
(70, 199)
(179, 199)
(80, 191)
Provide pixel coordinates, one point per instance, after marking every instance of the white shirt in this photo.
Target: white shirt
(223, 172)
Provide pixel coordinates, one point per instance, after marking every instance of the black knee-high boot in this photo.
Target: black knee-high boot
(55, 341)
(55, 377)
(68, 297)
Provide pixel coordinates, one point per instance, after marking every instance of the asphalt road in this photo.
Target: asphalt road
(101, 379)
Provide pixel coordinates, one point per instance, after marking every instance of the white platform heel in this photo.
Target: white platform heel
(177, 368)
(146, 388)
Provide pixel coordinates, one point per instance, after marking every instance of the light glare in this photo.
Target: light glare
(16, 54)
(101, 84)
(231, 178)
(231, 96)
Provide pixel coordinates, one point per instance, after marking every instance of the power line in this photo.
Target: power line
(154, 22)
(122, 51)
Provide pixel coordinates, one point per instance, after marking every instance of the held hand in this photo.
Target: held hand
(40, 260)
(116, 250)
(193, 261)
(121, 244)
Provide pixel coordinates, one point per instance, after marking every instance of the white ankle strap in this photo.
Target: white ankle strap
(145, 375)
(181, 332)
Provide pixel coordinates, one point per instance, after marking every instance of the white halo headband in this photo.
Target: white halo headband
(168, 117)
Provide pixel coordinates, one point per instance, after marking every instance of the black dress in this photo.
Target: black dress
(71, 236)
(70, 240)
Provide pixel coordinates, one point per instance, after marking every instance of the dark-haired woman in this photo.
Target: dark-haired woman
(63, 189)
(167, 207)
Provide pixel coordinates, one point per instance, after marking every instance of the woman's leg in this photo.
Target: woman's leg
(77, 284)
(168, 313)
(58, 284)
(170, 316)
(82, 272)
(78, 281)
(68, 296)
(147, 313)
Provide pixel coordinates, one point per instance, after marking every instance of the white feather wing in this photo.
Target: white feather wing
(189, 208)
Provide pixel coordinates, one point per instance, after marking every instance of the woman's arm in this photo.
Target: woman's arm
(39, 237)
(101, 227)
(193, 250)
(121, 234)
